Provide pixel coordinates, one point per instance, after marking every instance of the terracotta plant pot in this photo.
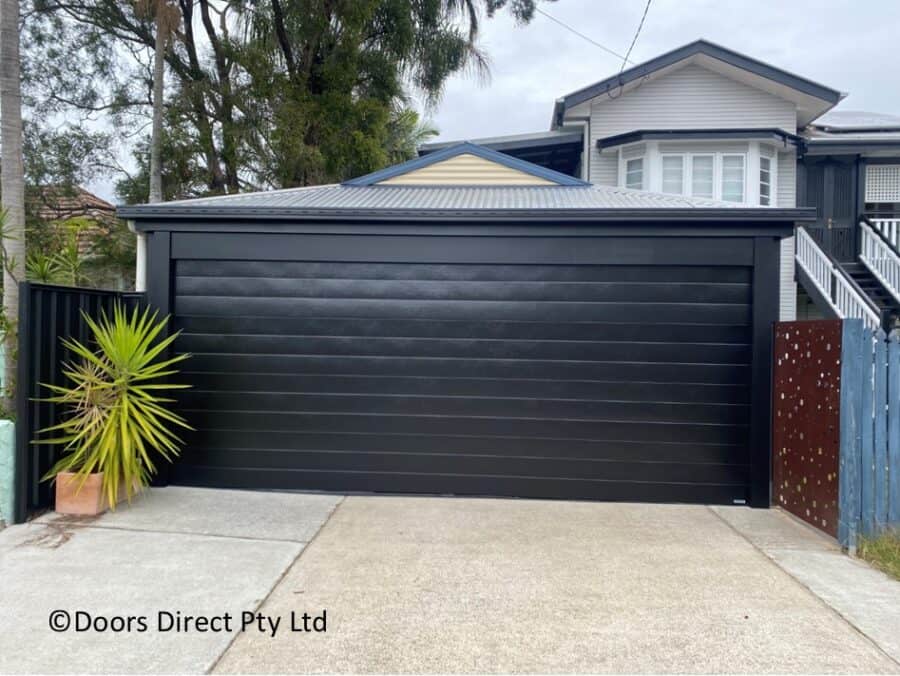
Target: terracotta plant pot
(88, 501)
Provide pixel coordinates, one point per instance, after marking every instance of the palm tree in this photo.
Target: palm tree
(12, 183)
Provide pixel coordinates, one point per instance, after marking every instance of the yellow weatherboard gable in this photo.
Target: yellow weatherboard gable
(466, 169)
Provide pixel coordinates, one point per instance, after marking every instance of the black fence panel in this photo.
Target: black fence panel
(47, 315)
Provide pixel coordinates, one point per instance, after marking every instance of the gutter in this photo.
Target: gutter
(425, 216)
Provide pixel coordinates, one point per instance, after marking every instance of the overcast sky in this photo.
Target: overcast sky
(851, 46)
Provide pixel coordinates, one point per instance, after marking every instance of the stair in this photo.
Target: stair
(873, 289)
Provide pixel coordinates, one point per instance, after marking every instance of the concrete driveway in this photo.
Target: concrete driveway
(440, 584)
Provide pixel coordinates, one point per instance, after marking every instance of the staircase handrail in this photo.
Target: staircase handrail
(880, 258)
(833, 283)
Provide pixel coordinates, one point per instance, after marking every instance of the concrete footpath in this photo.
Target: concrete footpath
(179, 551)
(481, 585)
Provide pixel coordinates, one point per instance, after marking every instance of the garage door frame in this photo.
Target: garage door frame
(215, 236)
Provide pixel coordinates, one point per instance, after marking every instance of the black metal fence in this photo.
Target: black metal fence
(47, 314)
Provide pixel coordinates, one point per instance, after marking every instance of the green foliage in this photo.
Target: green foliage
(116, 420)
(269, 93)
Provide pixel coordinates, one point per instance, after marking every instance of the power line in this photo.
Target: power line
(637, 32)
(585, 37)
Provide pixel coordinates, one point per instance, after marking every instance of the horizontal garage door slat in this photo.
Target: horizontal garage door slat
(551, 311)
(361, 289)
(680, 332)
(536, 367)
(489, 368)
(703, 353)
(555, 467)
(716, 272)
(603, 390)
(509, 446)
(550, 428)
(573, 409)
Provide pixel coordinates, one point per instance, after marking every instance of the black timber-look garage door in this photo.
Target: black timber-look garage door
(583, 367)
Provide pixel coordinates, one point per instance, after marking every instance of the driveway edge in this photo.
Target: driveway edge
(865, 598)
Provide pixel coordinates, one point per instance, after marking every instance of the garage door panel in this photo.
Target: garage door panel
(459, 348)
(209, 440)
(461, 328)
(614, 291)
(489, 368)
(711, 313)
(483, 407)
(614, 367)
(536, 487)
(559, 467)
(711, 273)
(615, 251)
(470, 387)
(609, 430)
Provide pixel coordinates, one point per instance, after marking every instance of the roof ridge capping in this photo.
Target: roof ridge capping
(700, 46)
(467, 148)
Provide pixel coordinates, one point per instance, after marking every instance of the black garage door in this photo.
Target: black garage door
(600, 368)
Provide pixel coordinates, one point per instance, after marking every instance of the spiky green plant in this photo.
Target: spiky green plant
(115, 418)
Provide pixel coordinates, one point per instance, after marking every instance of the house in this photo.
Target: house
(705, 121)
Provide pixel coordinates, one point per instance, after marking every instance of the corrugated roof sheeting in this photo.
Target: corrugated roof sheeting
(449, 198)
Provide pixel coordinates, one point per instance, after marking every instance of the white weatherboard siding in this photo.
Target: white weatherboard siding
(786, 196)
(691, 97)
(466, 169)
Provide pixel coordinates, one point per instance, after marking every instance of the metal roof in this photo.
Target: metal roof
(857, 120)
(459, 202)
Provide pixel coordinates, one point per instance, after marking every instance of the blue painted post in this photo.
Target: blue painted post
(867, 440)
(881, 431)
(893, 459)
(850, 434)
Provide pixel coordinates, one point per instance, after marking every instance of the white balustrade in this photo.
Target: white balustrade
(832, 282)
(881, 259)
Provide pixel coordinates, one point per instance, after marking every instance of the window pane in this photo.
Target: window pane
(673, 174)
(634, 174)
(765, 181)
(702, 176)
(733, 178)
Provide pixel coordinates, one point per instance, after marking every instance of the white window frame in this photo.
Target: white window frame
(643, 160)
(721, 177)
(771, 182)
(690, 178)
(684, 172)
(652, 173)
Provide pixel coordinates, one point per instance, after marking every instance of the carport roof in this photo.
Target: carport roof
(379, 202)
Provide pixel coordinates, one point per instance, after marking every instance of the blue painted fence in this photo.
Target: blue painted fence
(869, 476)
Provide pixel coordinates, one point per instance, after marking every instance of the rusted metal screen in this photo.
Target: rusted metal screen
(806, 420)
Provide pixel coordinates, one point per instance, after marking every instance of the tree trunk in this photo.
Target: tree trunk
(12, 184)
(159, 73)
